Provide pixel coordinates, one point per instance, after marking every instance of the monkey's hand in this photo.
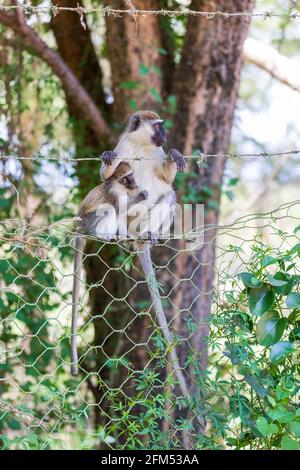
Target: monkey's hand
(175, 156)
(143, 195)
(108, 157)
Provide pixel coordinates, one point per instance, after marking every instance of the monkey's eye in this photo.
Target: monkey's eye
(124, 180)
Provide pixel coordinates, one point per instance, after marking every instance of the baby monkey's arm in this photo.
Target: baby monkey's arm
(140, 197)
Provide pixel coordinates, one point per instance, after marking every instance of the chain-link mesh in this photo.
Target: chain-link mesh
(126, 394)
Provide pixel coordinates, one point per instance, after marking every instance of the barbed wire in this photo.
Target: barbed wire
(109, 11)
(200, 157)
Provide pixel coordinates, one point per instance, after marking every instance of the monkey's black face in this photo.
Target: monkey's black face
(128, 181)
(159, 136)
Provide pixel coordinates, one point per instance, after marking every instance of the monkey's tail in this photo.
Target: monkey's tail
(144, 255)
(79, 246)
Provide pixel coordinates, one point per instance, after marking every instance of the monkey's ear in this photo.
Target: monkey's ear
(135, 123)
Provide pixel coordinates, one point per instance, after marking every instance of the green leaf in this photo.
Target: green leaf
(295, 334)
(259, 389)
(286, 288)
(133, 104)
(265, 428)
(289, 444)
(296, 249)
(295, 427)
(229, 194)
(5, 204)
(249, 280)
(293, 300)
(271, 400)
(233, 181)
(172, 101)
(280, 351)
(230, 298)
(281, 414)
(270, 328)
(297, 229)
(156, 70)
(162, 51)
(276, 282)
(13, 423)
(261, 300)
(235, 352)
(168, 124)
(130, 85)
(154, 92)
(267, 260)
(143, 70)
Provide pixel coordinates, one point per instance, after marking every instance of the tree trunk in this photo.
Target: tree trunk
(206, 86)
(134, 45)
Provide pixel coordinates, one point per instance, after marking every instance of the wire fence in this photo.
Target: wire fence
(132, 11)
(198, 156)
(127, 394)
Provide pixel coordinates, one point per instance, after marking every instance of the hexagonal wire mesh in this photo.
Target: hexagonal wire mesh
(126, 394)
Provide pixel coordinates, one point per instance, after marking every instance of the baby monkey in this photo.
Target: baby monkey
(100, 215)
(102, 207)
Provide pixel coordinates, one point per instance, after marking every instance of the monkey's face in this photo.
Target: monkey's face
(147, 131)
(159, 135)
(128, 181)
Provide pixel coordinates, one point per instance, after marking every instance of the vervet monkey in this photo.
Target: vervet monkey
(99, 216)
(141, 145)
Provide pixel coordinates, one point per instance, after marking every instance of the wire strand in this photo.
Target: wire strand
(107, 11)
(199, 157)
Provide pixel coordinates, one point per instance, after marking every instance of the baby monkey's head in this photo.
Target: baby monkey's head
(123, 176)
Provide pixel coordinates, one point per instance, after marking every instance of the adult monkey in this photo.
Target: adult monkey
(141, 145)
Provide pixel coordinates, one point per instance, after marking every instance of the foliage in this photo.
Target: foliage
(260, 326)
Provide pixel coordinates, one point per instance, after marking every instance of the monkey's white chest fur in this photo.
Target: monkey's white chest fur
(155, 214)
(143, 162)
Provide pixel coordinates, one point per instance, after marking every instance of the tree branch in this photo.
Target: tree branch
(276, 64)
(71, 85)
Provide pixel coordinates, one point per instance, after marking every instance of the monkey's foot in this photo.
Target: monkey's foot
(108, 157)
(107, 237)
(177, 157)
(152, 239)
